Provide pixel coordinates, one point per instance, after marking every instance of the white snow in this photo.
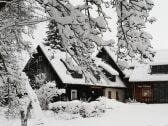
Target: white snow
(127, 72)
(121, 114)
(117, 83)
(37, 112)
(107, 67)
(159, 63)
(142, 73)
(61, 69)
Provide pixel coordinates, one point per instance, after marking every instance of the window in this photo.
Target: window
(159, 69)
(40, 58)
(109, 76)
(112, 78)
(74, 74)
(109, 94)
(73, 94)
(146, 92)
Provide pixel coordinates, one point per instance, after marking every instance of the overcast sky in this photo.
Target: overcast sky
(157, 29)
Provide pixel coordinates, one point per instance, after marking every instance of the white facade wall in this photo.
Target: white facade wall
(114, 92)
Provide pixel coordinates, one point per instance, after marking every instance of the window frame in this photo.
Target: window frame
(74, 96)
(146, 92)
(40, 58)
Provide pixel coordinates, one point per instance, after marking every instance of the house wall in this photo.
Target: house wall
(143, 92)
(40, 64)
(116, 93)
(150, 92)
(84, 92)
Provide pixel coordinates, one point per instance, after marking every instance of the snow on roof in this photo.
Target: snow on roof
(142, 73)
(107, 67)
(112, 53)
(117, 83)
(127, 72)
(61, 69)
(161, 58)
(158, 63)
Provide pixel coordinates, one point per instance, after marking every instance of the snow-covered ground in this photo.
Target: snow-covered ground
(130, 114)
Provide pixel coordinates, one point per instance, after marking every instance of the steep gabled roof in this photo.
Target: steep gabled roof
(111, 52)
(55, 57)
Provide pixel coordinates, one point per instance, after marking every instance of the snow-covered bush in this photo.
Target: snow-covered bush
(110, 103)
(72, 107)
(92, 109)
(47, 92)
(58, 106)
(85, 109)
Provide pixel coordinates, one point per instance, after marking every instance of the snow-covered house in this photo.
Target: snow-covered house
(108, 55)
(144, 82)
(149, 83)
(54, 66)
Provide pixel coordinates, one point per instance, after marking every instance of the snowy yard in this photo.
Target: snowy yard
(134, 114)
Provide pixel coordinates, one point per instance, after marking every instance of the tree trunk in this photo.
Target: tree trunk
(35, 106)
(24, 115)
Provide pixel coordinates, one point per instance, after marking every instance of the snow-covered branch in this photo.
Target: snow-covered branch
(132, 17)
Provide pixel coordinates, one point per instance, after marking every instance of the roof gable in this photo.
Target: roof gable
(111, 53)
(56, 59)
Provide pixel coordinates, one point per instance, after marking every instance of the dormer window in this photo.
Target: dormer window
(155, 69)
(109, 76)
(74, 74)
